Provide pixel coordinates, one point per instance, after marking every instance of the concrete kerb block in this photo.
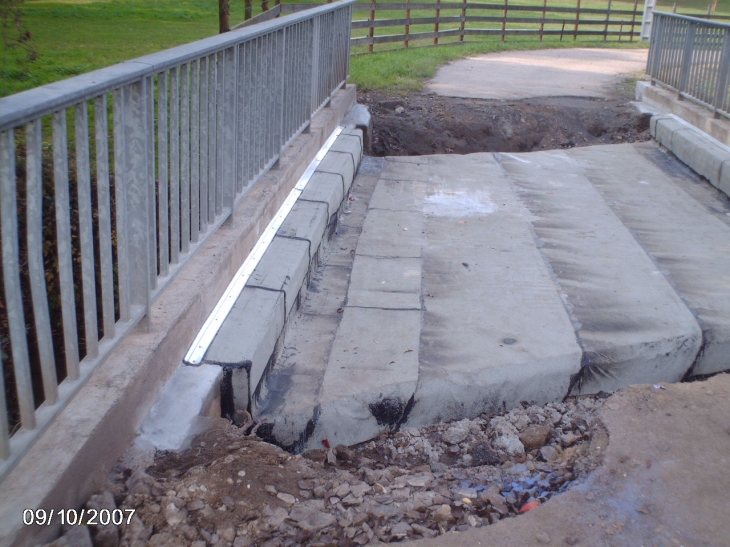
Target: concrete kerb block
(724, 182)
(653, 122)
(249, 333)
(307, 221)
(350, 141)
(708, 160)
(665, 126)
(325, 188)
(359, 117)
(341, 164)
(683, 144)
(283, 268)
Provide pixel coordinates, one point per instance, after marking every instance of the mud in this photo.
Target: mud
(421, 124)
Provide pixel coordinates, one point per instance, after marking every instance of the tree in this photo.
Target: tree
(14, 33)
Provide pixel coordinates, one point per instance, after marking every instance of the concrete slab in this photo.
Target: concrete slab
(288, 397)
(543, 73)
(394, 234)
(371, 375)
(495, 329)
(688, 239)
(631, 324)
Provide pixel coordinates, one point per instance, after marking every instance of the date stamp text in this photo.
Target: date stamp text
(72, 517)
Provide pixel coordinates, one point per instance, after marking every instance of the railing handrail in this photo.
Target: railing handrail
(708, 22)
(40, 101)
(691, 56)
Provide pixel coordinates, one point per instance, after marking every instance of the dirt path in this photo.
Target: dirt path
(421, 124)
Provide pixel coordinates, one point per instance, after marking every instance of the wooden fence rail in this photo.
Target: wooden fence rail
(456, 21)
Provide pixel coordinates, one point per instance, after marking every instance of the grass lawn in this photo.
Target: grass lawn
(77, 36)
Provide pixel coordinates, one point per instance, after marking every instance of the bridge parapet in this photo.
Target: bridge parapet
(112, 181)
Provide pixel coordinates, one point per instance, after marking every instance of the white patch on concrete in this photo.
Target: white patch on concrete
(516, 158)
(445, 203)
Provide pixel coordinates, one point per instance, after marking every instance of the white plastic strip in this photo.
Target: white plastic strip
(225, 304)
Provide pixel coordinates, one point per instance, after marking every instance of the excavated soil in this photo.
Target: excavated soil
(231, 488)
(421, 124)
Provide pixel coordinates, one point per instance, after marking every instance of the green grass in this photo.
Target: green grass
(73, 37)
(77, 36)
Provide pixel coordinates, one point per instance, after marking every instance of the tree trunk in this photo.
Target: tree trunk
(224, 11)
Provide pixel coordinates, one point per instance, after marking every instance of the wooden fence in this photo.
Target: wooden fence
(444, 22)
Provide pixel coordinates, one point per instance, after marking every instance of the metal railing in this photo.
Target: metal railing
(111, 180)
(691, 56)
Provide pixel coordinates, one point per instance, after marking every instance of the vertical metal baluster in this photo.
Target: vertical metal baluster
(86, 237)
(684, 78)
(230, 132)
(4, 432)
(249, 112)
(163, 200)
(195, 153)
(212, 134)
(240, 116)
(36, 269)
(120, 181)
(220, 132)
(281, 75)
(65, 252)
(722, 75)
(149, 101)
(105, 216)
(205, 220)
(11, 281)
(314, 72)
(185, 159)
(175, 165)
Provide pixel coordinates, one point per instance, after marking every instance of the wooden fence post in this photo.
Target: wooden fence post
(372, 28)
(436, 24)
(504, 19)
(577, 21)
(247, 9)
(633, 20)
(463, 22)
(224, 11)
(408, 23)
(264, 5)
(542, 21)
(608, 18)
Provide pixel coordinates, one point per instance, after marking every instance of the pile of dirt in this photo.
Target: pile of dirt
(421, 124)
(234, 489)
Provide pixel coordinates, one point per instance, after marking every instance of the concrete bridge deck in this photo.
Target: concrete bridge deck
(457, 285)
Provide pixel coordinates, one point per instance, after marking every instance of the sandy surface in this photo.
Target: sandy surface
(542, 73)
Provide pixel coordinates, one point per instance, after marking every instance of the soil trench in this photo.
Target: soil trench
(422, 124)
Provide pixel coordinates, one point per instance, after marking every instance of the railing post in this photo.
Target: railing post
(722, 77)
(463, 22)
(647, 20)
(608, 19)
(689, 42)
(577, 20)
(132, 154)
(436, 24)
(504, 18)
